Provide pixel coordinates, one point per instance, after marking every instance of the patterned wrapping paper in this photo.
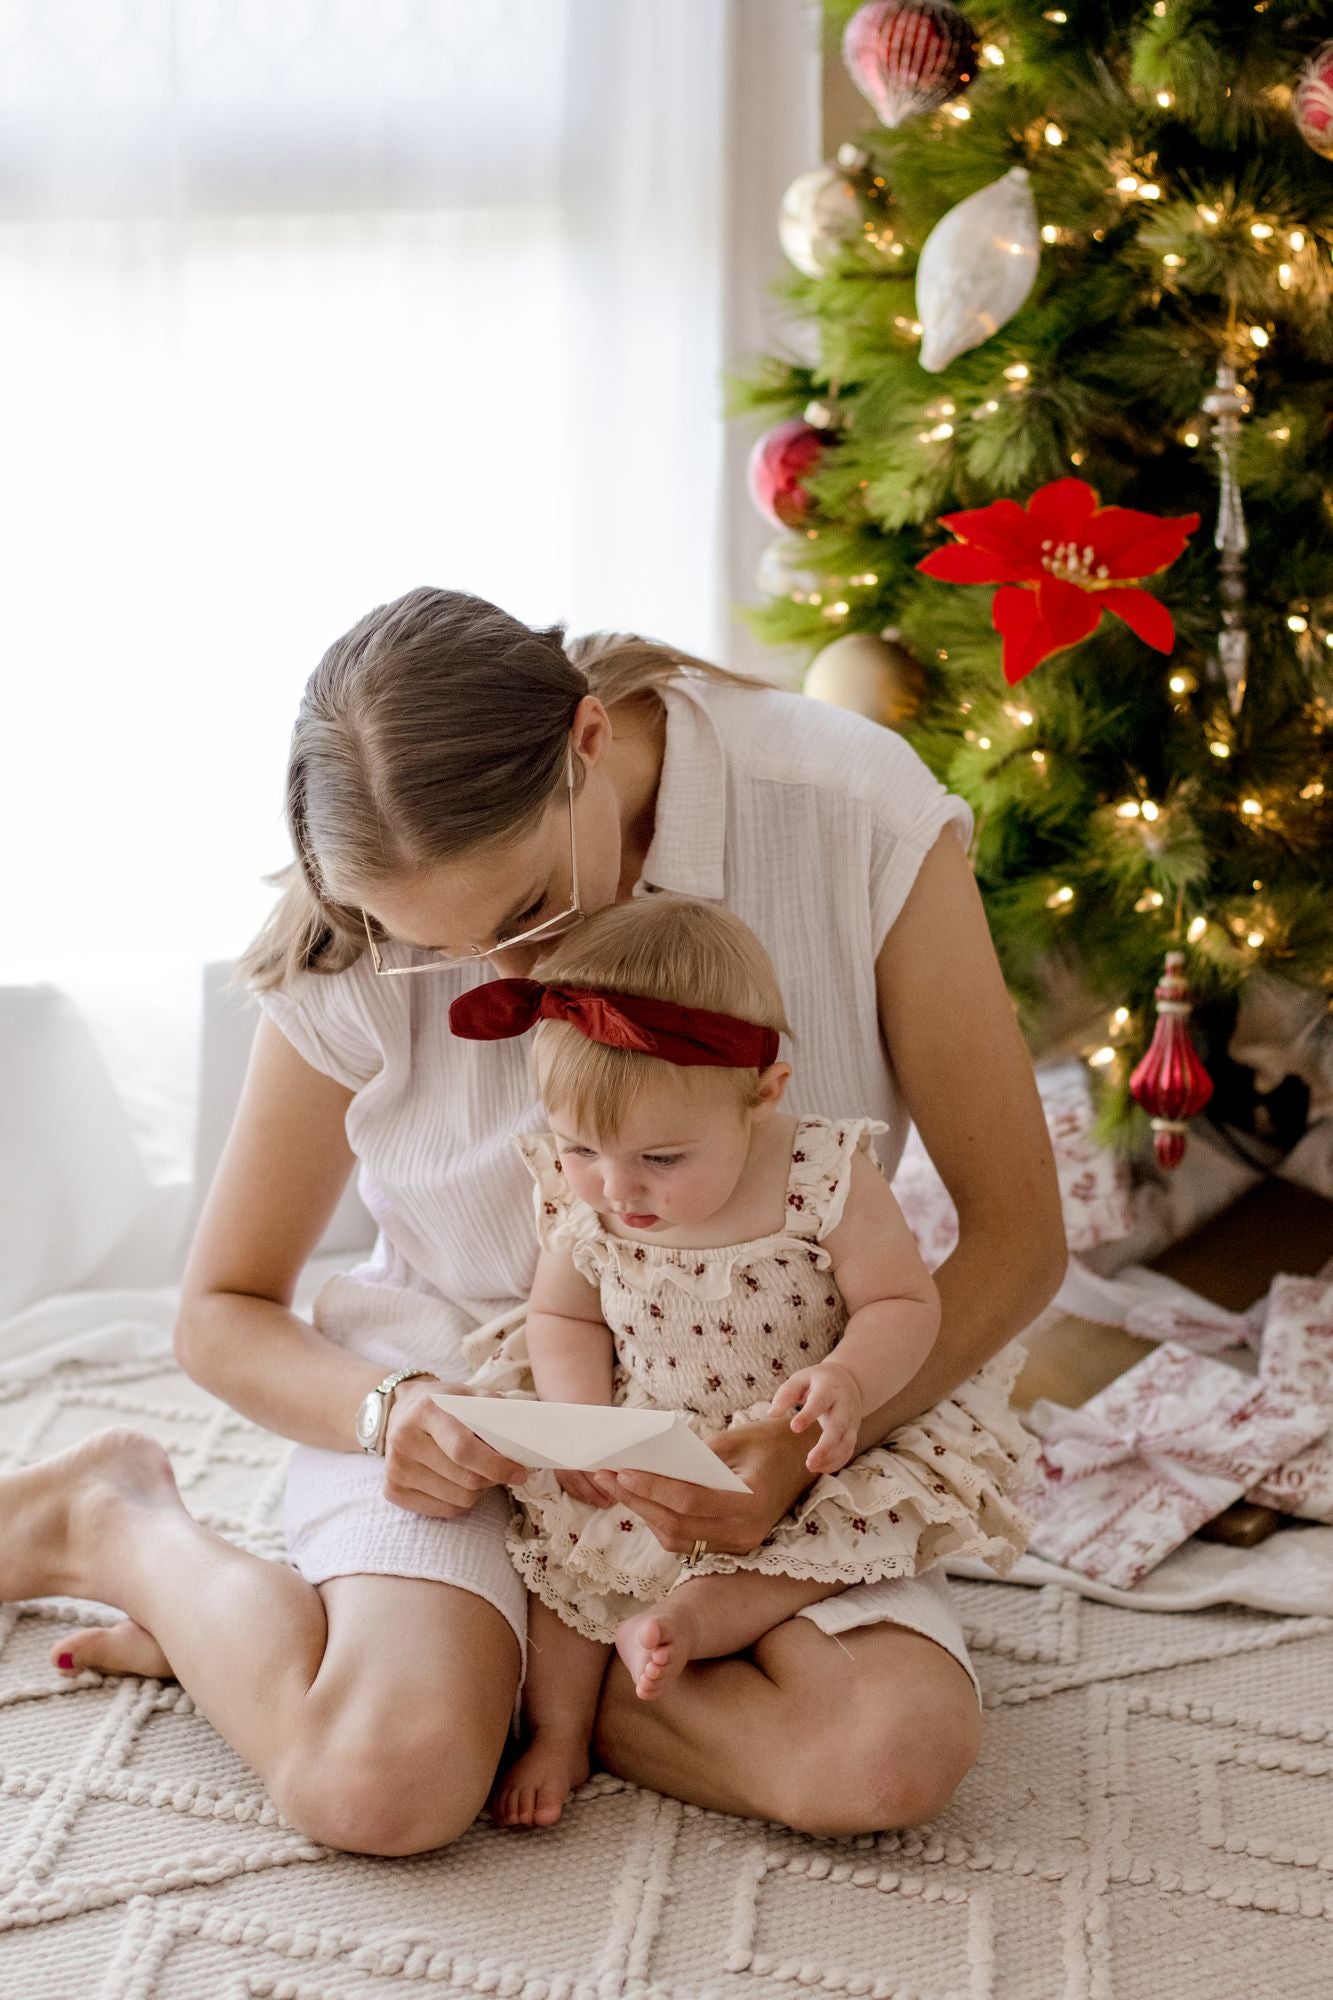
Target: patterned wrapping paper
(1130, 1476)
(1094, 1180)
(1296, 1360)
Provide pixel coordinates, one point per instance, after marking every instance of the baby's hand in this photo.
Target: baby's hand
(580, 1486)
(832, 1395)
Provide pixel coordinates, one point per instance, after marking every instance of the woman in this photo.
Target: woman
(460, 788)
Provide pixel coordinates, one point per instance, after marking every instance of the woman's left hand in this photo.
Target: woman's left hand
(765, 1455)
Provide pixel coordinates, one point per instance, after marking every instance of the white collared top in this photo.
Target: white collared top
(808, 822)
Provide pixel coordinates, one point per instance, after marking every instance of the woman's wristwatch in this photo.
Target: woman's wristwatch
(372, 1419)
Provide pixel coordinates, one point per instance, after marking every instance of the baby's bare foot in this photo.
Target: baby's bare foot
(112, 1649)
(55, 1513)
(532, 1792)
(656, 1646)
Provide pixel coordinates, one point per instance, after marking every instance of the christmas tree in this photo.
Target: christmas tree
(1085, 243)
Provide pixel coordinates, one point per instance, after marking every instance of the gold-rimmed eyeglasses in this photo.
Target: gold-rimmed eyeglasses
(548, 928)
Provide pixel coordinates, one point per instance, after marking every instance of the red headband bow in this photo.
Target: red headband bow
(688, 1036)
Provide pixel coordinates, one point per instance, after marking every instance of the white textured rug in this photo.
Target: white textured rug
(1152, 1814)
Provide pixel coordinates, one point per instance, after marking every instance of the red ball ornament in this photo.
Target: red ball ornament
(909, 56)
(1312, 102)
(779, 464)
(1171, 1082)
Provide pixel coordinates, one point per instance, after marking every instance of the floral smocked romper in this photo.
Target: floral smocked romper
(711, 1333)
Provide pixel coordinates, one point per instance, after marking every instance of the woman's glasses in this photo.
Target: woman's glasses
(549, 928)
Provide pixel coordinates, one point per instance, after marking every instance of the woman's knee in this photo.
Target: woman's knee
(898, 1770)
(362, 1794)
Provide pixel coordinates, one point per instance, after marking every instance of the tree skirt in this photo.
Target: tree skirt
(1152, 1804)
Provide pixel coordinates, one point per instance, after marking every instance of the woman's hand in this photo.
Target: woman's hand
(829, 1395)
(765, 1455)
(432, 1463)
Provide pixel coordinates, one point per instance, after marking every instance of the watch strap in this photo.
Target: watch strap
(385, 1391)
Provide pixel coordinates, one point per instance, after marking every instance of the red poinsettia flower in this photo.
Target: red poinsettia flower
(1070, 559)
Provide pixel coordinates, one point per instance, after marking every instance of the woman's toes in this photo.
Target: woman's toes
(112, 1649)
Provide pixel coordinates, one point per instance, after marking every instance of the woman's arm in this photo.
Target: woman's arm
(966, 1075)
(569, 1343)
(285, 1164)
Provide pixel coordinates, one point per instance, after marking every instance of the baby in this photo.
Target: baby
(704, 1251)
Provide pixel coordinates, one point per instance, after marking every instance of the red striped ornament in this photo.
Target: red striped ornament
(1171, 1082)
(1312, 102)
(909, 56)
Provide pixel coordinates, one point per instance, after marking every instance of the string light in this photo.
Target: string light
(1314, 790)
(1254, 938)
(838, 610)
(995, 57)
(1101, 1057)
(1018, 371)
(1298, 624)
(1220, 749)
(1261, 230)
(1129, 810)
(1053, 135)
(1150, 192)
(1128, 183)
(1149, 810)
(1209, 215)
(1056, 14)
(1251, 807)
(1061, 899)
(1196, 930)
(1165, 99)
(1282, 433)
(983, 742)
(1172, 261)
(986, 409)
(940, 432)
(1039, 756)
(1049, 233)
(1178, 684)
(960, 112)
(1284, 276)
(1077, 457)
(1296, 238)
(1151, 899)
(1258, 336)
(1191, 438)
(1120, 1017)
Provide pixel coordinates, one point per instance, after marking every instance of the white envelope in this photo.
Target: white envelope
(592, 1437)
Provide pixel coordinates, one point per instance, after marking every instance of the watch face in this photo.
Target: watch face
(368, 1419)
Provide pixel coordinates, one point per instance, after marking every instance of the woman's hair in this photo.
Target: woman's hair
(437, 724)
(660, 948)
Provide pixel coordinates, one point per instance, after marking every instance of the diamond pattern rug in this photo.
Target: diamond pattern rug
(1152, 1814)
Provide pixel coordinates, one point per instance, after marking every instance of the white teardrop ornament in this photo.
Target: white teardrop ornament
(977, 266)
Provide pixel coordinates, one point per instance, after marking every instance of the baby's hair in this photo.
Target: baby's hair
(659, 948)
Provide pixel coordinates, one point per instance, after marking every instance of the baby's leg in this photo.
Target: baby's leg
(707, 1617)
(565, 1673)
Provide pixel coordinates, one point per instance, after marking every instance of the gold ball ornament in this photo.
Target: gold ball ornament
(874, 677)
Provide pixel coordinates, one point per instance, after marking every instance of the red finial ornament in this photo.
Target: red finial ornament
(1171, 1082)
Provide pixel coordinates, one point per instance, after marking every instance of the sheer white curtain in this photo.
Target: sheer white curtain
(303, 302)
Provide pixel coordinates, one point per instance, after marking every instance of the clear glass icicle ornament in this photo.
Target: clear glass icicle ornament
(1227, 404)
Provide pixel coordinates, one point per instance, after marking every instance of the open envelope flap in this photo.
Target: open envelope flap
(590, 1437)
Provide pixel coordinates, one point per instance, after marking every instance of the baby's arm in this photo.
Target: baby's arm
(570, 1348)
(893, 1317)
(569, 1343)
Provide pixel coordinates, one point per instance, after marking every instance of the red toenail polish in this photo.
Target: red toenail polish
(65, 1661)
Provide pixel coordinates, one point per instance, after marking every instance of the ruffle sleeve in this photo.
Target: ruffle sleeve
(564, 1223)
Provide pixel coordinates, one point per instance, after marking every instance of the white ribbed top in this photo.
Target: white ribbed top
(808, 822)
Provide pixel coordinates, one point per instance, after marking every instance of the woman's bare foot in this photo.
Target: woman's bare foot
(656, 1646)
(112, 1649)
(55, 1513)
(533, 1790)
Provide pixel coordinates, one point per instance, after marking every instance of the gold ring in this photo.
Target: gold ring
(699, 1549)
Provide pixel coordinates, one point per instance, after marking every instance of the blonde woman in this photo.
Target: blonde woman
(461, 789)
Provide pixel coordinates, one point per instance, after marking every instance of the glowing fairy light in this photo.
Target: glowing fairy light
(1196, 930)
(1251, 808)
(1053, 135)
(1101, 1057)
(1061, 899)
(1297, 624)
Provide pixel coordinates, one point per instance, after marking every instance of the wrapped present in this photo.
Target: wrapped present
(1130, 1476)
(1094, 1180)
(1297, 1360)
